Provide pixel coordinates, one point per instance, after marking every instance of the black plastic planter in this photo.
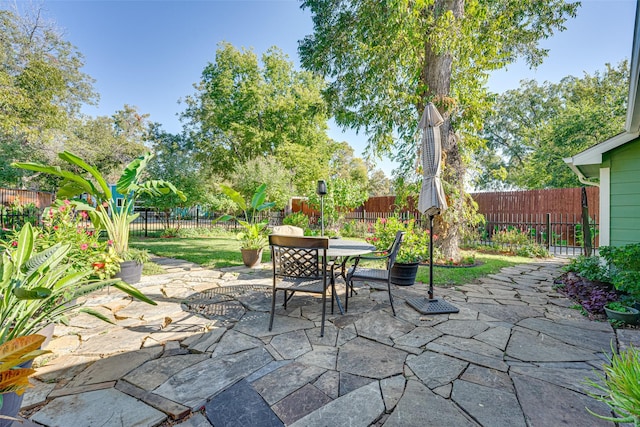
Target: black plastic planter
(404, 274)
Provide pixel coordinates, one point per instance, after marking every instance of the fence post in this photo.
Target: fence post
(146, 216)
(549, 232)
(197, 215)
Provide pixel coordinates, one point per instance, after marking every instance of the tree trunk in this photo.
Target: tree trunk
(436, 77)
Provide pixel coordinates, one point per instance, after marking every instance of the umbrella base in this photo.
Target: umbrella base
(432, 306)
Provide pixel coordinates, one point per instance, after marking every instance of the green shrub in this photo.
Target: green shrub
(415, 246)
(354, 228)
(297, 219)
(624, 267)
(532, 250)
(588, 267)
(63, 223)
(170, 232)
(511, 236)
(202, 232)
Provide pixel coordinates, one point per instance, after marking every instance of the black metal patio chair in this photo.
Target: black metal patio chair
(380, 275)
(300, 265)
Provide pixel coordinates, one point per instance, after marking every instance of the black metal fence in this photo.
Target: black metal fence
(16, 217)
(561, 234)
(151, 223)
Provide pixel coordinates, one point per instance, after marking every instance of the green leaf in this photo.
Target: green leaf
(97, 314)
(223, 218)
(130, 290)
(234, 196)
(259, 196)
(47, 259)
(35, 293)
(57, 171)
(72, 189)
(132, 173)
(264, 206)
(25, 246)
(73, 159)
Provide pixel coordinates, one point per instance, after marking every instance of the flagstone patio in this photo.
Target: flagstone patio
(515, 355)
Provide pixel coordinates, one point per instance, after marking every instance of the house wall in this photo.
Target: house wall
(624, 195)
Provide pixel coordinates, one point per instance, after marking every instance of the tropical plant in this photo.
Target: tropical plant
(254, 235)
(63, 223)
(37, 288)
(14, 354)
(107, 215)
(619, 387)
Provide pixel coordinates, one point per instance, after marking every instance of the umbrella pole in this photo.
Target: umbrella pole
(430, 257)
(431, 305)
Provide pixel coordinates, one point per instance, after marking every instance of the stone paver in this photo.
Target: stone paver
(514, 355)
(108, 408)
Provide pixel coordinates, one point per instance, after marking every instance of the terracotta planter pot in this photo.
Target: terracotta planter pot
(404, 274)
(251, 257)
(130, 272)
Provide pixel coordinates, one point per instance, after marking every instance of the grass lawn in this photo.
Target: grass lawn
(448, 276)
(210, 252)
(224, 251)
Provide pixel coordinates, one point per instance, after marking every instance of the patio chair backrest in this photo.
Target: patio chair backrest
(287, 230)
(298, 257)
(395, 248)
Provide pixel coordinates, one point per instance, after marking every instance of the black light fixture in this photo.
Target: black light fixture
(321, 190)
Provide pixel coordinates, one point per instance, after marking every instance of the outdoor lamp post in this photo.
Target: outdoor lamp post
(322, 191)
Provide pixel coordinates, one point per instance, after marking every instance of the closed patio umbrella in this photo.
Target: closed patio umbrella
(432, 200)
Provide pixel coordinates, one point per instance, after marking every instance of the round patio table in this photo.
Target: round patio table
(348, 248)
(344, 249)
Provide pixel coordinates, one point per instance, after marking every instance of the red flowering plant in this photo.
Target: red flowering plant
(64, 223)
(415, 246)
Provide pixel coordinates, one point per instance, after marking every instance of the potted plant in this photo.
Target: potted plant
(253, 239)
(107, 214)
(617, 311)
(16, 357)
(412, 252)
(413, 249)
(620, 387)
(38, 288)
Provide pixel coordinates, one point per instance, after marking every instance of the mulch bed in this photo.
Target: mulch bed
(591, 295)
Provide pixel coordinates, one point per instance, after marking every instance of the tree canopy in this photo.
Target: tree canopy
(386, 60)
(41, 84)
(531, 129)
(42, 89)
(244, 108)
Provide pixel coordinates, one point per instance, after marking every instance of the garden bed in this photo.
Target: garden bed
(590, 296)
(453, 265)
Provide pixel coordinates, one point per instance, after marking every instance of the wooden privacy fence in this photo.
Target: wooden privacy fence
(17, 207)
(14, 197)
(566, 201)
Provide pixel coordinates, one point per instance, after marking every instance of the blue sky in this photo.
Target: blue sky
(150, 53)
